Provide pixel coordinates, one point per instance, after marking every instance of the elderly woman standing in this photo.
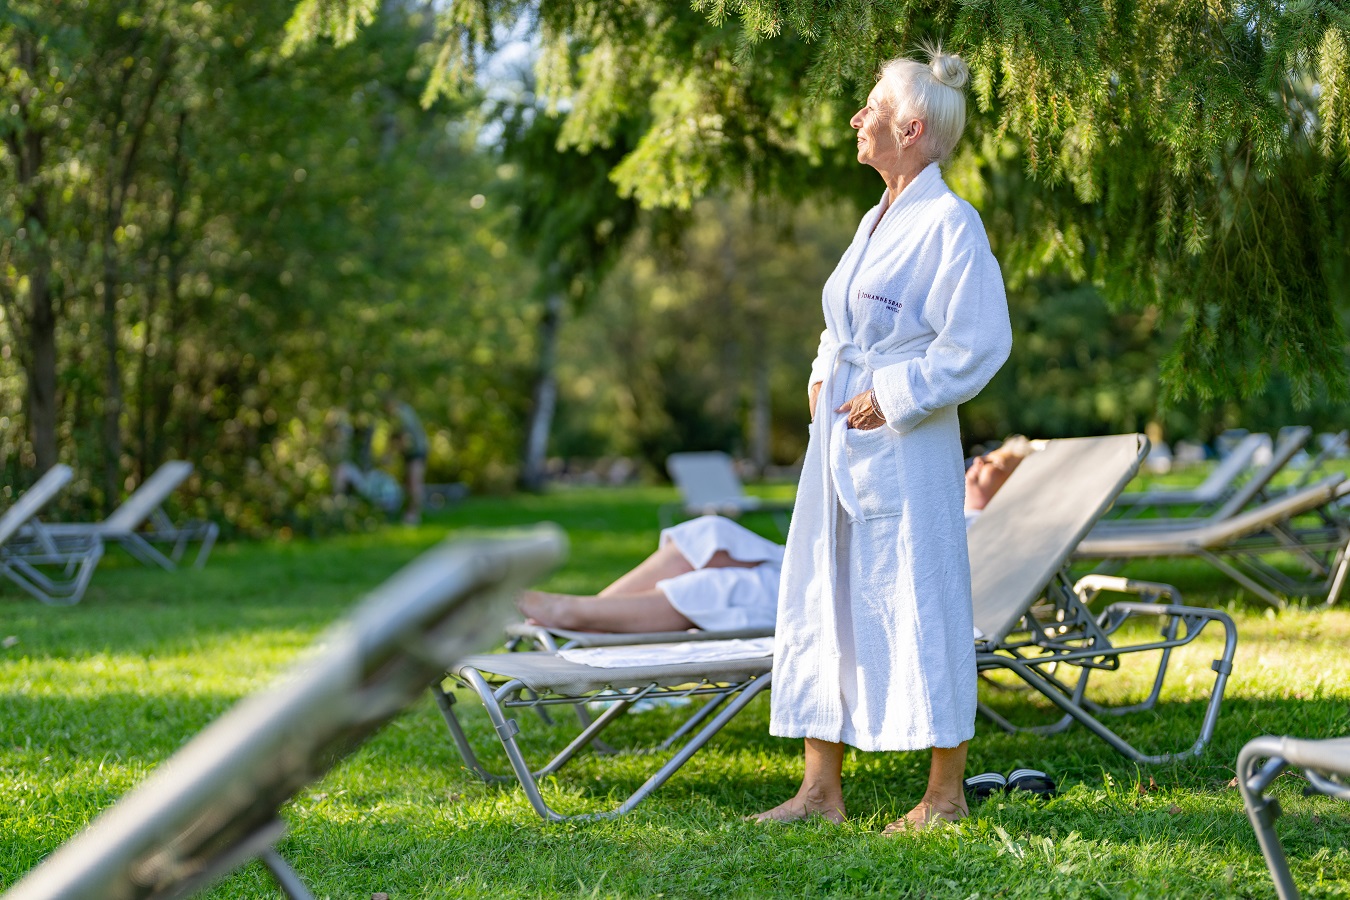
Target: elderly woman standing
(874, 642)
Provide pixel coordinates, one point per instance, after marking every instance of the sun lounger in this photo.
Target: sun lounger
(1020, 549)
(709, 485)
(1255, 489)
(1325, 764)
(1212, 490)
(53, 569)
(126, 525)
(214, 805)
(1037, 623)
(1239, 545)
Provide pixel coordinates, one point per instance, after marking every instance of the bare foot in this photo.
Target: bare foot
(929, 813)
(803, 807)
(542, 608)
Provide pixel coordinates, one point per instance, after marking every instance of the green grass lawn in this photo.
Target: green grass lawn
(95, 696)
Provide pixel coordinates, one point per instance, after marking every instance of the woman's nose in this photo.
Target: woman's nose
(856, 121)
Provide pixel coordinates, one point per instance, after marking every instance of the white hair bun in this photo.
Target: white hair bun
(950, 69)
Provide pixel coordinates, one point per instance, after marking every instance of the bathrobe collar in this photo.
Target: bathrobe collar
(926, 187)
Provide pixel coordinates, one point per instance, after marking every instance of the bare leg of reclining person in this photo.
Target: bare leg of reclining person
(631, 604)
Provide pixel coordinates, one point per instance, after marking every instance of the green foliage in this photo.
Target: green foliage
(293, 235)
(1204, 147)
(692, 332)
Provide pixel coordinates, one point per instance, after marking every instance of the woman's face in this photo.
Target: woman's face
(877, 146)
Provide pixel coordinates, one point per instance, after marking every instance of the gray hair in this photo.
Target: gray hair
(931, 93)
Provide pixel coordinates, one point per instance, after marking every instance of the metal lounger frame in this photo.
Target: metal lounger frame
(726, 699)
(214, 805)
(1238, 545)
(1064, 633)
(1260, 762)
(146, 506)
(1036, 622)
(28, 554)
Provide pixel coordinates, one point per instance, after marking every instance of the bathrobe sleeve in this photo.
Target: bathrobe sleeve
(822, 360)
(968, 310)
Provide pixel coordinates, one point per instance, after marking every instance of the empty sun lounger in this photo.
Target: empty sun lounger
(1325, 765)
(1308, 524)
(127, 524)
(1212, 490)
(214, 805)
(53, 569)
(709, 485)
(1020, 549)
(1255, 489)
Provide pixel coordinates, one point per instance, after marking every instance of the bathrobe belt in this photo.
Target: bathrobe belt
(833, 429)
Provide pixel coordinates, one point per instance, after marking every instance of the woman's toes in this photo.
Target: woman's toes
(924, 816)
(796, 810)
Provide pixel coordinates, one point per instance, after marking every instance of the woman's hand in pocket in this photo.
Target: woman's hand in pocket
(863, 412)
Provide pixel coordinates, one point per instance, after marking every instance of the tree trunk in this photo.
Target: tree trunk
(760, 417)
(41, 325)
(112, 388)
(121, 172)
(42, 401)
(532, 474)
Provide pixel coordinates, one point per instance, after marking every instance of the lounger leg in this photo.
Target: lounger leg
(1242, 578)
(1222, 667)
(1338, 581)
(1263, 810)
(446, 704)
(208, 541)
(1061, 725)
(286, 878)
(144, 551)
(507, 729)
(17, 573)
(693, 721)
(687, 751)
(1169, 633)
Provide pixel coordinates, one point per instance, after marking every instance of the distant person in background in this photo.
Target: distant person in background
(351, 465)
(410, 437)
(713, 574)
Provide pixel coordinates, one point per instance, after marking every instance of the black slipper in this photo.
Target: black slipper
(1031, 781)
(980, 787)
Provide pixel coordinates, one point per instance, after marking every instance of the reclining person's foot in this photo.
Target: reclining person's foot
(803, 807)
(543, 608)
(927, 814)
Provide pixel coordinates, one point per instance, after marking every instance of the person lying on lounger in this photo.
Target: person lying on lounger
(713, 574)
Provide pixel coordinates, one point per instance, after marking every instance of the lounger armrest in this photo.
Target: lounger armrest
(1089, 586)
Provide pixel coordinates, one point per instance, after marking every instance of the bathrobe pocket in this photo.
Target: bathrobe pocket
(871, 465)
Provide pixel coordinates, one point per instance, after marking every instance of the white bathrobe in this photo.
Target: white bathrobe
(874, 611)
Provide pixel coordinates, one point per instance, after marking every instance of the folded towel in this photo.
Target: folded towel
(669, 654)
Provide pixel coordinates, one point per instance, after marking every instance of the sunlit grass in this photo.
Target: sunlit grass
(93, 697)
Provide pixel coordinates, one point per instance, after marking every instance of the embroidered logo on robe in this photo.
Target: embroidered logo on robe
(892, 305)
